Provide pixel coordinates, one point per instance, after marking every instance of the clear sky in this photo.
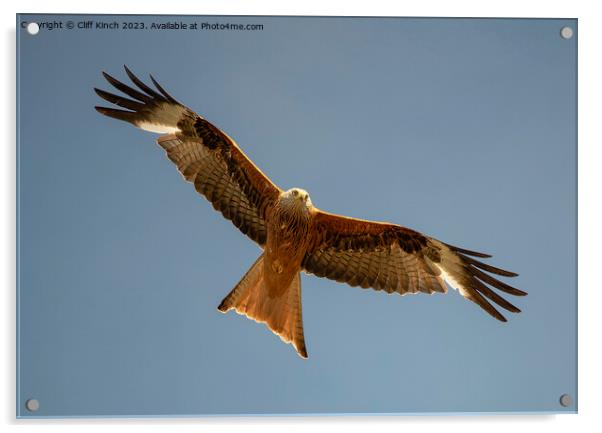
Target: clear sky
(463, 129)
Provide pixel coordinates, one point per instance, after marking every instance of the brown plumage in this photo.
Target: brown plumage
(294, 235)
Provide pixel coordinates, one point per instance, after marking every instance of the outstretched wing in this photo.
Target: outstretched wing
(204, 155)
(392, 258)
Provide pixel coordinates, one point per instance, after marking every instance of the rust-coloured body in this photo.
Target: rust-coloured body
(287, 241)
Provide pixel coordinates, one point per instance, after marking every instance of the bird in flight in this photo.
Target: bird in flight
(295, 235)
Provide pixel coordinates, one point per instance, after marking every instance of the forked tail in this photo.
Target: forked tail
(281, 314)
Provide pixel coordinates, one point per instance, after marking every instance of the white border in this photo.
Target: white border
(590, 141)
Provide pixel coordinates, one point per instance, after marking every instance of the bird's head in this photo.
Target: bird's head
(297, 198)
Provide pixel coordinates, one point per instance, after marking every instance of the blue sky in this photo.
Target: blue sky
(462, 129)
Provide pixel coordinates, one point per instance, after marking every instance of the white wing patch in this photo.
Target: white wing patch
(157, 128)
(448, 279)
(450, 263)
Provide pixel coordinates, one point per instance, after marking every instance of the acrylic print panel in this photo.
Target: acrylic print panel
(463, 130)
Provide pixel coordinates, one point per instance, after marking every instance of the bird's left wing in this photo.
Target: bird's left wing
(203, 154)
(392, 258)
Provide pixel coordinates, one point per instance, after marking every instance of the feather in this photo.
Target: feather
(127, 89)
(141, 85)
(119, 100)
(489, 268)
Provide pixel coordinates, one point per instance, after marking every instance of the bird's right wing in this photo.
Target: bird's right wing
(204, 154)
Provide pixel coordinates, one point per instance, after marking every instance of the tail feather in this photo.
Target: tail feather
(281, 314)
(240, 293)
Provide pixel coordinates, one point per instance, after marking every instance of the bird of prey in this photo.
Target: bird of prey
(294, 234)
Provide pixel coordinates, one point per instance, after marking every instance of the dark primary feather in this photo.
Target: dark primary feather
(126, 116)
(119, 100)
(500, 285)
(469, 252)
(490, 268)
(148, 90)
(127, 89)
(165, 94)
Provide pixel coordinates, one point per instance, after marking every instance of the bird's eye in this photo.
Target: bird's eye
(295, 192)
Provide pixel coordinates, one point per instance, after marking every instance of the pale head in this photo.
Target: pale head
(297, 198)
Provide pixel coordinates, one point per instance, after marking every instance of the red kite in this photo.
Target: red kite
(294, 234)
